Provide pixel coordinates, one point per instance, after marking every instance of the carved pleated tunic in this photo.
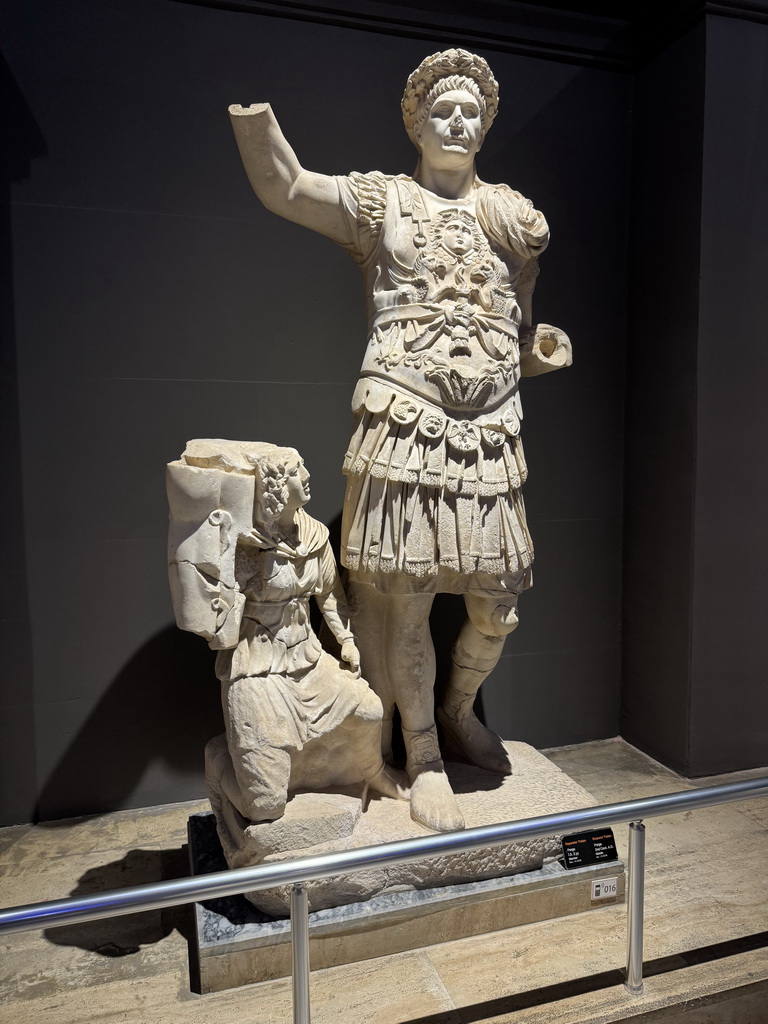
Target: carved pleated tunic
(435, 464)
(281, 689)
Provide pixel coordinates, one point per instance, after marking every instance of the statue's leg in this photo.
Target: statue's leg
(261, 772)
(364, 730)
(260, 794)
(411, 668)
(369, 615)
(475, 654)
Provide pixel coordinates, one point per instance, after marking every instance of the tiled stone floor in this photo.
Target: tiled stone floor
(707, 883)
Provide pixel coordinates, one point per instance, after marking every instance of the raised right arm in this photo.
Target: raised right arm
(279, 180)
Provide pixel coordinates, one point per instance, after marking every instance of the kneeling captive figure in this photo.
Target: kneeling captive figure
(245, 559)
(435, 465)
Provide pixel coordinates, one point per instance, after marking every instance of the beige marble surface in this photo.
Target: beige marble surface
(693, 899)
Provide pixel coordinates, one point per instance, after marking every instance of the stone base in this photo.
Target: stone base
(536, 787)
(238, 944)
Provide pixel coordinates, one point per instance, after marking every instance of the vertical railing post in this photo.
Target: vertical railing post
(300, 953)
(635, 906)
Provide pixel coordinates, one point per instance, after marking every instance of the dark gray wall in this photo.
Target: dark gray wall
(661, 398)
(729, 703)
(695, 591)
(154, 300)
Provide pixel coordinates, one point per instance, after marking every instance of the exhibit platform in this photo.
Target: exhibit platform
(407, 906)
(536, 787)
(238, 944)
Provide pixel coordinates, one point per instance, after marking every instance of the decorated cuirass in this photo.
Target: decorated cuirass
(444, 315)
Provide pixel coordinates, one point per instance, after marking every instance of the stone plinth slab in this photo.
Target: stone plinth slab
(536, 787)
(239, 945)
(406, 906)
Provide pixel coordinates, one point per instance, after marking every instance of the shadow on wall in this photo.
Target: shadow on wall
(157, 716)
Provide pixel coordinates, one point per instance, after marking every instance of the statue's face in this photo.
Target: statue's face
(452, 133)
(297, 485)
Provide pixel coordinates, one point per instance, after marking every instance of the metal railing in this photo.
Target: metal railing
(170, 893)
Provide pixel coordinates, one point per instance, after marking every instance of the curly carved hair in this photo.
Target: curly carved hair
(272, 469)
(443, 72)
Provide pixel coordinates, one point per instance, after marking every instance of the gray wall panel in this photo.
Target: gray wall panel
(729, 709)
(661, 399)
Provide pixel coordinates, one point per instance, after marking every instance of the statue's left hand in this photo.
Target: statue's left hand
(351, 655)
(543, 350)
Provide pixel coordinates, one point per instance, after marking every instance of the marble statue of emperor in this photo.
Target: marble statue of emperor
(435, 464)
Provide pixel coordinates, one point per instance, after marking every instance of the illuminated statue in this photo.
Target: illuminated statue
(435, 465)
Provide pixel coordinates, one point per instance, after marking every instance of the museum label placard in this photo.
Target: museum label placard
(596, 846)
